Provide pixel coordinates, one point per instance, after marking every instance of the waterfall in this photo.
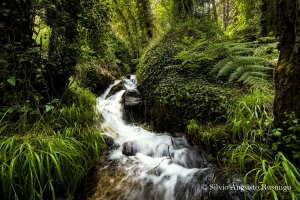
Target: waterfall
(148, 165)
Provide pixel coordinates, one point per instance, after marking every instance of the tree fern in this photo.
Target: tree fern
(249, 70)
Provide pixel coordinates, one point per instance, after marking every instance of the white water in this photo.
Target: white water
(160, 159)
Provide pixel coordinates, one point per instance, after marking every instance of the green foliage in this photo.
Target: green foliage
(277, 177)
(278, 172)
(211, 135)
(248, 70)
(173, 75)
(245, 156)
(198, 100)
(42, 167)
(245, 26)
(268, 50)
(48, 158)
(288, 141)
(249, 121)
(247, 31)
(95, 76)
(251, 114)
(94, 27)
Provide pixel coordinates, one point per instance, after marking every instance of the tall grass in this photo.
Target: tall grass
(210, 135)
(251, 115)
(46, 158)
(248, 146)
(249, 121)
(278, 178)
(41, 167)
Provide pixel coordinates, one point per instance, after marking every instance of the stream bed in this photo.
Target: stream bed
(141, 164)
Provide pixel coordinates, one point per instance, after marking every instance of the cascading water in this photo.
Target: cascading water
(147, 165)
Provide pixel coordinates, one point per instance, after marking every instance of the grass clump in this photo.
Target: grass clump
(250, 150)
(251, 114)
(46, 158)
(246, 145)
(42, 167)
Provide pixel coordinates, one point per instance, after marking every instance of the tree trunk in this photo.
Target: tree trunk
(53, 20)
(145, 17)
(287, 73)
(214, 10)
(226, 13)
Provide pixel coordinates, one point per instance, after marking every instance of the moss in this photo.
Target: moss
(95, 76)
(285, 67)
(175, 82)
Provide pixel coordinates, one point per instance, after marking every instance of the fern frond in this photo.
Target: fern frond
(219, 65)
(255, 81)
(255, 74)
(228, 68)
(248, 68)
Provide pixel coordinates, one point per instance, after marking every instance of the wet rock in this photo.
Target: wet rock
(195, 187)
(189, 158)
(231, 186)
(133, 106)
(129, 149)
(118, 87)
(179, 142)
(109, 143)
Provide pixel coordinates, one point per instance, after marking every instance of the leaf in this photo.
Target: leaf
(12, 80)
(49, 107)
(276, 132)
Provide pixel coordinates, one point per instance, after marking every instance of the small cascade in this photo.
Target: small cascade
(148, 165)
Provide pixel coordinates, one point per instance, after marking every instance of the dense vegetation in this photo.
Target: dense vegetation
(204, 67)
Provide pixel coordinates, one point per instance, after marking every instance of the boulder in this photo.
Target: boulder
(129, 149)
(118, 87)
(133, 106)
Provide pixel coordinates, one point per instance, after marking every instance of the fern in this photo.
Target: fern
(249, 70)
(220, 65)
(248, 74)
(254, 70)
(241, 49)
(255, 81)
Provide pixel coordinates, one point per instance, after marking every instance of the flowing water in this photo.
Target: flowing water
(155, 166)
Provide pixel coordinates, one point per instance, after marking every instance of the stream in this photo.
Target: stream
(145, 165)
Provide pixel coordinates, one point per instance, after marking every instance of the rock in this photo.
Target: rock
(129, 149)
(118, 87)
(109, 143)
(197, 187)
(133, 106)
(231, 186)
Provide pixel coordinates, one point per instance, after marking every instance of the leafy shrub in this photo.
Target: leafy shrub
(288, 141)
(173, 78)
(197, 99)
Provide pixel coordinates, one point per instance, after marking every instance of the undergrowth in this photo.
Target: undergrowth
(46, 158)
(251, 146)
